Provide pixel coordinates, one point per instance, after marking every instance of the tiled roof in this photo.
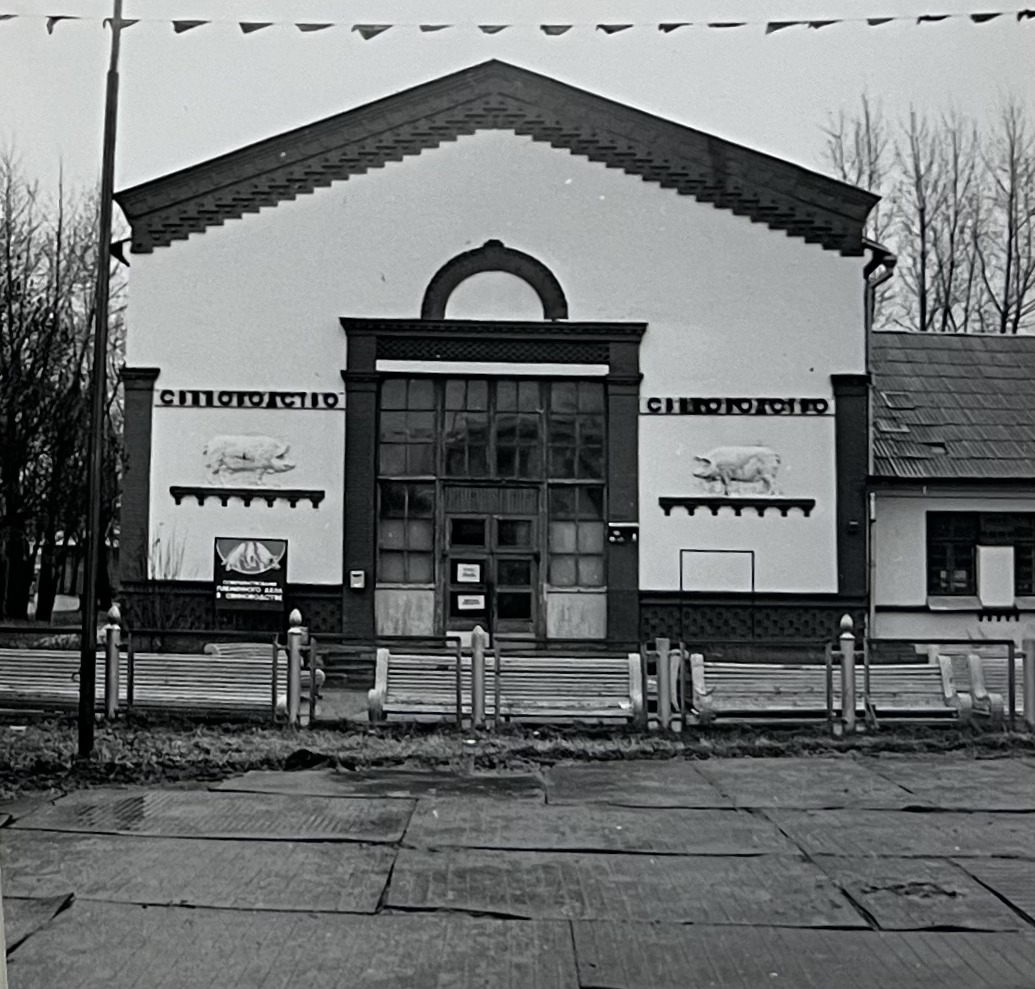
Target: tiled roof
(496, 95)
(952, 406)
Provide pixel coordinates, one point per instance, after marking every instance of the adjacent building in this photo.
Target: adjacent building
(953, 486)
(498, 350)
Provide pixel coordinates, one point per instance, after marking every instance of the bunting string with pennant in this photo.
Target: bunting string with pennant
(368, 32)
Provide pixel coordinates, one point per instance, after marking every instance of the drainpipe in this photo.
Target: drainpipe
(882, 263)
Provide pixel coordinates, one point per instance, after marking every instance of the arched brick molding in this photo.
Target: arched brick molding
(493, 255)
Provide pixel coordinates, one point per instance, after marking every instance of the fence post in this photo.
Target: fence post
(1028, 683)
(111, 663)
(294, 666)
(478, 677)
(847, 674)
(313, 666)
(663, 673)
(3, 942)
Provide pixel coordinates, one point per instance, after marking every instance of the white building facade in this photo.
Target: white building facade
(496, 350)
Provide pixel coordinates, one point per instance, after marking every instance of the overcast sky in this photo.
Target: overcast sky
(187, 97)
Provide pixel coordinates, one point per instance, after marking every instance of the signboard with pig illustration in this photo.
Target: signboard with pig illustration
(246, 458)
(722, 485)
(730, 470)
(250, 574)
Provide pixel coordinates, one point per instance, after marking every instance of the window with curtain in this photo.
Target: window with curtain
(952, 541)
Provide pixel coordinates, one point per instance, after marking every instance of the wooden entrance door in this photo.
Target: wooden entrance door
(492, 573)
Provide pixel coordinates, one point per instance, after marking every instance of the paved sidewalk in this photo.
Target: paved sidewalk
(854, 872)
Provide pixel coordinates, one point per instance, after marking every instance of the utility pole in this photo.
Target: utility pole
(98, 398)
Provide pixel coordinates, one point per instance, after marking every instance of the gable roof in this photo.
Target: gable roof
(952, 406)
(497, 95)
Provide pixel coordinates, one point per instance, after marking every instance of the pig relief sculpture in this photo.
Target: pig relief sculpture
(728, 465)
(227, 457)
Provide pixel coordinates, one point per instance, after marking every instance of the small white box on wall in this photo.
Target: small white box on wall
(995, 580)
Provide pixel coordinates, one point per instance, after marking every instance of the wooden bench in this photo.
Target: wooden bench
(914, 692)
(528, 687)
(47, 679)
(751, 691)
(596, 688)
(184, 683)
(246, 650)
(984, 670)
(996, 670)
(420, 685)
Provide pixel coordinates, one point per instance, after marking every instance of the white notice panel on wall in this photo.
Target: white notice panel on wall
(468, 573)
(470, 602)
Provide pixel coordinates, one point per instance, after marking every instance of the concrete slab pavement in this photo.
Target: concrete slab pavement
(675, 783)
(669, 956)
(119, 946)
(714, 889)
(804, 783)
(962, 784)
(903, 833)
(918, 894)
(205, 814)
(805, 873)
(262, 875)
(397, 783)
(497, 824)
(1010, 879)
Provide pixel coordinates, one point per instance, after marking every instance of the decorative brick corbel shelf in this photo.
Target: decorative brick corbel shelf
(269, 495)
(739, 505)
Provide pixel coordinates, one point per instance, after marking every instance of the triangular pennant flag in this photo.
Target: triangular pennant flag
(931, 18)
(1025, 15)
(247, 27)
(313, 27)
(554, 29)
(7, 17)
(613, 28)
(816, 25)
(727, 24)
(877, 21)
(51, 21)
(123, 24)
(675, 26)
(180, 26)
(773, 26)
(428, 28)
(983, 18)
(492, 28)
(368, 31)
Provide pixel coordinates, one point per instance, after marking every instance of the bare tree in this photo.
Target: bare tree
(48, 258)
(955, 225)
(860, 149)
(958, 209)
(1006, 247)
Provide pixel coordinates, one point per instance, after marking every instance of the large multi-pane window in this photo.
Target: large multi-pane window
(408, 425)
(952, 541)
(576, 540)
(406, 533)
(576, 429)
(549, 433)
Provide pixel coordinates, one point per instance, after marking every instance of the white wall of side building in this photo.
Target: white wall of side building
(899, 565)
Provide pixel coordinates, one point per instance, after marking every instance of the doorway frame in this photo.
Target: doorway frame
(451, 347)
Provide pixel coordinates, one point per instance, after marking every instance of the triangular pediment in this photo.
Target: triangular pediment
(498, 96)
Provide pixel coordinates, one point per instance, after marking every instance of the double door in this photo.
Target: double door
(492, 567)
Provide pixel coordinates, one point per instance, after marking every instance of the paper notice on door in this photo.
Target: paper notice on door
(468, 573)
(470, 602)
